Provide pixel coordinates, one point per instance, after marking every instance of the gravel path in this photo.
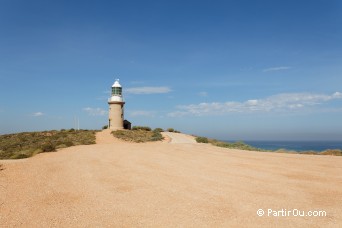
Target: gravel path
(179, 137)
(119, 184)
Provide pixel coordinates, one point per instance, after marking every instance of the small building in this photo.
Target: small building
(127, 125)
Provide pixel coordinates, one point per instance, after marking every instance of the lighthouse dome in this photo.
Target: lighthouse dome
(116, 83)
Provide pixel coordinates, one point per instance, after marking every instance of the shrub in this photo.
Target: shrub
(202, 140)
(61, 146)
(48, 147)
(144, 128)
(335, 152)
(138, 136)
(235, 145)
(68, 143)
(157, 136)
(177, 131)
(20, 156)
(170, 130)
(105, 127)
(158, 129)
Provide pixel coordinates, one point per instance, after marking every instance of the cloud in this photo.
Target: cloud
(95, 111)
(277, 103)
(148, 90)
(142, 113)
(337, 95)
(276, 68)
(37, 114)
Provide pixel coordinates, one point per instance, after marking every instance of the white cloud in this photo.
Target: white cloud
(95, 111)
(277, 103)
(276, 68)
(37, 114)
(337, 95)
(148, 90)
(142, 113)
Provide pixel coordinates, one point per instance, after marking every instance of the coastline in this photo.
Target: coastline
(300, 145)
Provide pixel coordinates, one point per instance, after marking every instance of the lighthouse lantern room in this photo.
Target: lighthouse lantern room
(116, 107)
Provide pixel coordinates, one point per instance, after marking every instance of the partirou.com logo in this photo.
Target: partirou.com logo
(291, 212)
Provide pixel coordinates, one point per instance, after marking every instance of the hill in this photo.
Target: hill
(27, 144)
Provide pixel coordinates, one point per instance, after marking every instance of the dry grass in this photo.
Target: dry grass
(334, 152)
(235, 145)
(27, 144)
(138, 136)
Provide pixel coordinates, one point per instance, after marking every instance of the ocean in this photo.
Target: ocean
(296, 145)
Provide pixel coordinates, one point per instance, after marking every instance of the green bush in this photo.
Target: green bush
(138, 136)
(170, 130)
(144, 128)
(158, 129)
(48, 147)
(334, 152)
(157, 136)
(202, 140)
(105, 127)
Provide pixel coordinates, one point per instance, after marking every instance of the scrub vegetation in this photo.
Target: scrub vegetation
(234, 145)
(172, 130)
(139, 134)
(27, 144)
(201, 140)
(144, 128)
(243, 146)
(334, 152)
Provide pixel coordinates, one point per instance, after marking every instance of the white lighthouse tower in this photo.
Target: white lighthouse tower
(116, 107)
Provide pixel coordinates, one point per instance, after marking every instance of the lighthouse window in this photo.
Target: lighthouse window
(116, 90)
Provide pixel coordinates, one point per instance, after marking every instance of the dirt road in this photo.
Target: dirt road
(117, 184)
(179, 137)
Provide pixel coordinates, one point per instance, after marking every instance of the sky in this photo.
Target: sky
(232, 70)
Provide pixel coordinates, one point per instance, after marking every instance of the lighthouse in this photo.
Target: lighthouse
(116, 107)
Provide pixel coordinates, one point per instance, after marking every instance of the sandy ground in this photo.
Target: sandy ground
(119, 184)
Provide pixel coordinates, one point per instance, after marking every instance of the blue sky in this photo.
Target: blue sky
(240, 70)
